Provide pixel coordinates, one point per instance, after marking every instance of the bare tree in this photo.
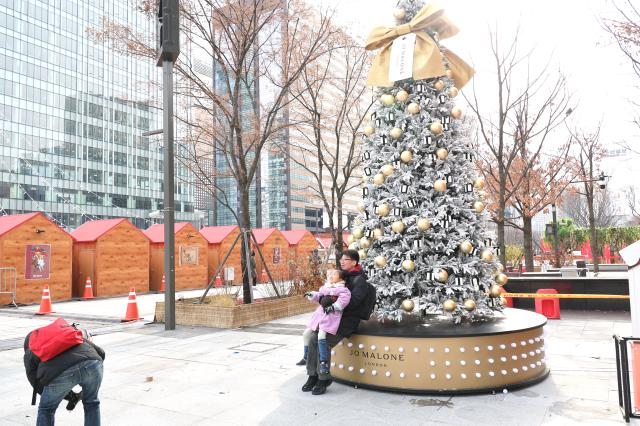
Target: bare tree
(249, 43)
(331, 101)
(626, 31)
(517, 126)
(590, 152)
(632, 203)
(574, 206)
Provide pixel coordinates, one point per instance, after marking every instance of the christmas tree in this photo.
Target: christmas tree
(422, 232)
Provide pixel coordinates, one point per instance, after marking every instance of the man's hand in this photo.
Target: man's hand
(326, 301)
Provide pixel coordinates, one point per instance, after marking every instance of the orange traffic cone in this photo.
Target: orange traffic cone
(162, 288)
(218, 281)
(88, 290)
(45, 304)
(132, 307)
(264, 277)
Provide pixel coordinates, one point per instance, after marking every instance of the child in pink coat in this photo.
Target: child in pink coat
(326, 319)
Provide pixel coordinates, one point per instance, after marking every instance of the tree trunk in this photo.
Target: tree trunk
(245, 223)
(593, 242)
(339, 243)
(528, 243)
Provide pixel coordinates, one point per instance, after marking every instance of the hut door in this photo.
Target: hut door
(86, 268)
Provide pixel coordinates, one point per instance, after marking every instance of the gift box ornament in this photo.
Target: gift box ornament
(459, 281)
(488, 242)
(428, 140)
(429, 275)
(468, 187)
(365, 192)
(397, 211)
(367, 171)
(498, 251)
(420, 87)
(475, 251)
(384, 139)
(475, 282)
(442, 98)
(433, 156)
(418, 244)
(397, 164)
(448, 178)
(378, 122)
(367, 215)
(404, 188)
(374, 115)
(405, 126)
(411, 203)
(366, 155)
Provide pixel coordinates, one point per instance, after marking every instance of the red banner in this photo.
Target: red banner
(37, 262)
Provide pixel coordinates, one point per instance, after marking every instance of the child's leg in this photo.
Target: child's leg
(306, 338)
(323, 348)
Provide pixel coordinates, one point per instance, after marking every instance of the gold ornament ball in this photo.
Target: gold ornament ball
(408, 265)
(353, 246)
(387, 99)
(487, 255)
(362, 254)
(398, 226)
(387, 169)
(466, 247)
(453, 92)
(377, 233)
(494, 291)
(383, 209)
(479, 183)
(407, 305)
(369, 130)
(406, 156)
(442, 153)
(396, 133)
(357, 233)
(423, 224)
(482, 194)
(438, 85)
(436, 128)
(402, 96)
(449, 305)
(364, 242)
(350, 239)
(380, 261)
(502, 279)
(456, 112)
(399, 13)
(478, 206)
(440, 185)
(449, 73)
(361, 206)
(378, 179)
(413, 108)
(443, 275)
(470, 305)
(500, 267)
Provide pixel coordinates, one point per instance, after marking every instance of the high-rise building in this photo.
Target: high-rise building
(73, 114)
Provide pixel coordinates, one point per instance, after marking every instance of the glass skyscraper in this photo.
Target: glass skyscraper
(73, 114)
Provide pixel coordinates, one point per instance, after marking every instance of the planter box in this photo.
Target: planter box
(206, 315)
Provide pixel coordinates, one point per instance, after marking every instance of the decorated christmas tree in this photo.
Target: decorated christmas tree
(421, 233)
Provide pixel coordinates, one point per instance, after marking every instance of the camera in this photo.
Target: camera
(73, 398)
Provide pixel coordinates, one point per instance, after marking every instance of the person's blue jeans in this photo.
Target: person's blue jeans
(87, 374)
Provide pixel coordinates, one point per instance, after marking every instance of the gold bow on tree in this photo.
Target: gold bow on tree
(427, 61)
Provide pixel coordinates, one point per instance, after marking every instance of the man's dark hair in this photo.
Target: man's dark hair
(351, 254)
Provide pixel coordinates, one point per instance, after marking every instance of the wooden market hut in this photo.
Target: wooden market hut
(220, 239)
(301, 244)
(114, 254)
(41, 253)
(275, 249)
(190, 256)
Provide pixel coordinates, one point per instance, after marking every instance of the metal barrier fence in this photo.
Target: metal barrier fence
(8, 283)
(624, 381)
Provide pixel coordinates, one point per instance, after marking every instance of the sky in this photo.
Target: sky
(568, 31)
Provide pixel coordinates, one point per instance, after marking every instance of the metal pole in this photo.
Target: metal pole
(169, 234)
(556, 245)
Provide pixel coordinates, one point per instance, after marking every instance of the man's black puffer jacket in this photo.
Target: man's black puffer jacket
(40, 374)
(356, 282)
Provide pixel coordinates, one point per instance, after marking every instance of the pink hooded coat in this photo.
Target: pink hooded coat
(329, 322)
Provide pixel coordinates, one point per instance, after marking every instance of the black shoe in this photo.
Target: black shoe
(310, 384)
(320, 387)
(324, 367)
(302, 362)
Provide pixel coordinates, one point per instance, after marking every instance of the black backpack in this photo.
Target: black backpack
(369, 302)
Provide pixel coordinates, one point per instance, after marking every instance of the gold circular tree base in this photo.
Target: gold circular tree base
(435, 356)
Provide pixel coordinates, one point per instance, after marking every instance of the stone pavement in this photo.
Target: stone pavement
(198, 376)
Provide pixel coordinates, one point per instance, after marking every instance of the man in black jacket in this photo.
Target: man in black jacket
(54, 379)
(356, 282)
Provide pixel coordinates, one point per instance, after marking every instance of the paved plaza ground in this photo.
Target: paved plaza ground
(199, 376)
